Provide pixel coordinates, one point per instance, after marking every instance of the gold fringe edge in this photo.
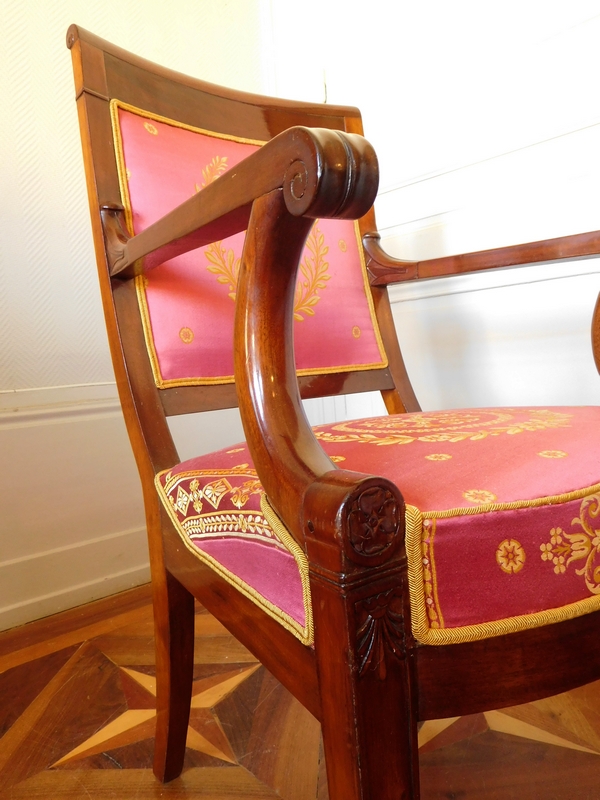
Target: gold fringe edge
(485, 630)
(304, 634)
(160, 382)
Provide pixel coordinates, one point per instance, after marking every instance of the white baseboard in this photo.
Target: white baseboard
(44, 583)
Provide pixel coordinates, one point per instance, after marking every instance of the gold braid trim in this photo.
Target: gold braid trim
(160, 382)
(301, 560)
(485, 508)
(305, 635)
(484, 630)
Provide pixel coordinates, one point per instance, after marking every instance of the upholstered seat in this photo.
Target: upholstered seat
(501, 514)
(388, 570)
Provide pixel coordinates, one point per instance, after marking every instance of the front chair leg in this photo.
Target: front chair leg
(174, 638)
(368, 720)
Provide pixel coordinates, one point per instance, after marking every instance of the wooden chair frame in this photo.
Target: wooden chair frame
(368, 692)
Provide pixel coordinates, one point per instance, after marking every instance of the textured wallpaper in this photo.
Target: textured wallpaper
(51, 327)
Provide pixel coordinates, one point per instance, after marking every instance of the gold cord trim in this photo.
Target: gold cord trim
(304, 634)
(301, 560)
(485, 630)
(162, 383)
(516, 504)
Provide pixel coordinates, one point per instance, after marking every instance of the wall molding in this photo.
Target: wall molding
(43, 583)
(492, 279)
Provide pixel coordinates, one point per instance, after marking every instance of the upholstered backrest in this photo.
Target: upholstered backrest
(187, 304)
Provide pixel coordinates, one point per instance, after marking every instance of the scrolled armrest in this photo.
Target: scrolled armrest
(320, 171)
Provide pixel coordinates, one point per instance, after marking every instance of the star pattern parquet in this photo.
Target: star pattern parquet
(77, 718)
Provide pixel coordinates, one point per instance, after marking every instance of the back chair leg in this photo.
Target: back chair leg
(174, 636)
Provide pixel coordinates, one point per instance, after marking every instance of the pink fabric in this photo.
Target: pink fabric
(190, 298)
(464, 460)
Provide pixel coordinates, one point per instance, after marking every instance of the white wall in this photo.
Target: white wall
(486, 121)
(71, 518)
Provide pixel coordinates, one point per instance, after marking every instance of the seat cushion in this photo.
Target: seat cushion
(501, 512)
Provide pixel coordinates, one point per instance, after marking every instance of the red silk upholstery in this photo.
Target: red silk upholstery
(188, 303)
(501, 515)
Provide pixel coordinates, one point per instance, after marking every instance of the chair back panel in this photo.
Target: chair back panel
(187, 304)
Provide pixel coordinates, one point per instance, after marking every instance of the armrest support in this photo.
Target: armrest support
(386, 270)
(307, 163)
(290, 462)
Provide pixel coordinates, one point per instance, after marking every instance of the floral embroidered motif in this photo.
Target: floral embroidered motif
(212, 171)
(565, 548)
(438, 457)
(553, 454)
(356, 332)
(510, 556)
(224, 265)
(151, 128)
(241, 494)
(186, 335)
(247, 525)
(314, 269)
(450, 426)
(479, 496)
(313, 272)
(337, 459)
(342, 245)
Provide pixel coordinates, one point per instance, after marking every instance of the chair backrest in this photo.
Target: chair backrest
(152, 139)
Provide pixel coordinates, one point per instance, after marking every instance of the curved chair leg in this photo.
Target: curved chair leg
(174, 636)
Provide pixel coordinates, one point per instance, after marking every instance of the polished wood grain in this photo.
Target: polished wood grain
(78, 721)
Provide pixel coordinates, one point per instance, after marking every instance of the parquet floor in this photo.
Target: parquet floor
(77, 716)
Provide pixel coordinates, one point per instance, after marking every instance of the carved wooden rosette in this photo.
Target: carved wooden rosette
(374, 521)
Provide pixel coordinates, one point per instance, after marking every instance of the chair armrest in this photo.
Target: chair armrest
(386, 270)
(304, 162)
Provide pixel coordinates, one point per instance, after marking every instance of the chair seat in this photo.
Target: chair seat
(501, 508)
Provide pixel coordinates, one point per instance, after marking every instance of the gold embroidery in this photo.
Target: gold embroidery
(241, 494)
(432, 605)
(151, 128)
(186, 335)
(510, 556)
(342, 245)
(565, 548)
(356, 332)
(182, 502)
(215, 491)
(553, 454)
(236, 450)
(443, 427)
(212, 171)
(479, 496)
(224, 265)
(195, 380)
(314, 268)
(438, 457)
(336, 459)
(426, 634)
(255, 522)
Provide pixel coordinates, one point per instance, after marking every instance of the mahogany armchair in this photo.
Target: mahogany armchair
(388, 570)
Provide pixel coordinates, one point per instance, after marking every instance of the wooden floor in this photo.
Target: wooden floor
(77, 717)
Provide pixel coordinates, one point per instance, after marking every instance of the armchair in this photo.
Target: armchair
(387, 570)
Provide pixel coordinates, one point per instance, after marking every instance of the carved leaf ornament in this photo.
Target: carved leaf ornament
(380, 632)
(313, 270)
